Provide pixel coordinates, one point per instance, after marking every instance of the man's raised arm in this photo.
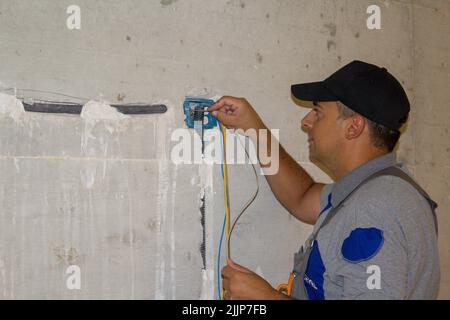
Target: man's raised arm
(291, 184)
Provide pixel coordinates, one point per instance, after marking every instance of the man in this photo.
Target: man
(375, 230)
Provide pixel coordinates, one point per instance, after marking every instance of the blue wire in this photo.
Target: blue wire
(223, 227)
(218, 260)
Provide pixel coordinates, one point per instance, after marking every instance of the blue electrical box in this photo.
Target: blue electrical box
(194, 107)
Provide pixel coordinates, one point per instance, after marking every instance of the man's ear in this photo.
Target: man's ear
(355, 127)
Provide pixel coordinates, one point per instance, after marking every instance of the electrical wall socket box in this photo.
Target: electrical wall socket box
(194, 108)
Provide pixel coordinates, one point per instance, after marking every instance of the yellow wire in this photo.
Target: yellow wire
(225, 192)
(225, 184)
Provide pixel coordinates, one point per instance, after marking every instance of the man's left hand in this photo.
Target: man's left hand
(240, 283)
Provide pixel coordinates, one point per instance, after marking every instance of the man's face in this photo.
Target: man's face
(324, 131)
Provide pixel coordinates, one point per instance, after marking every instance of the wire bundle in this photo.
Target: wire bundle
(226, 223)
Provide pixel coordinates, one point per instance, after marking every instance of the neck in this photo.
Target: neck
(347, 162)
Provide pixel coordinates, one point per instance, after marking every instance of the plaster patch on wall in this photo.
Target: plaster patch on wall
(95, 112)
(100, 110)
(11, 106)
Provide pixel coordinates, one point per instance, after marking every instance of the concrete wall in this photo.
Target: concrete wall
(104, 194)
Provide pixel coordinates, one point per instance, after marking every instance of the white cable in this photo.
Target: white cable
(251, 199)
(43, 91)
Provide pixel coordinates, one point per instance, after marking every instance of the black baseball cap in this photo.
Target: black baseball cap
(365, 88)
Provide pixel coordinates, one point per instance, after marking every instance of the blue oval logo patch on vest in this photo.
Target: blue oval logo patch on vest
(313, 278)
(362, 244)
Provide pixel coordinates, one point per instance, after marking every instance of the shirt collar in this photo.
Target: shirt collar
(352, 180)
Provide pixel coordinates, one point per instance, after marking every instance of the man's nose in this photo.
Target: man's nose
(307, 122)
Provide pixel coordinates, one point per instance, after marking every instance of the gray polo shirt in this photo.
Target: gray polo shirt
(381, 244)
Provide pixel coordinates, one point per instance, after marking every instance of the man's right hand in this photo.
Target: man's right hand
(236, 113)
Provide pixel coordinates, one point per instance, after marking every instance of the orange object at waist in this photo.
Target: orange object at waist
(286, 288)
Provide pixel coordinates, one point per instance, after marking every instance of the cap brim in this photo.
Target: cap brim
(313, 91)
